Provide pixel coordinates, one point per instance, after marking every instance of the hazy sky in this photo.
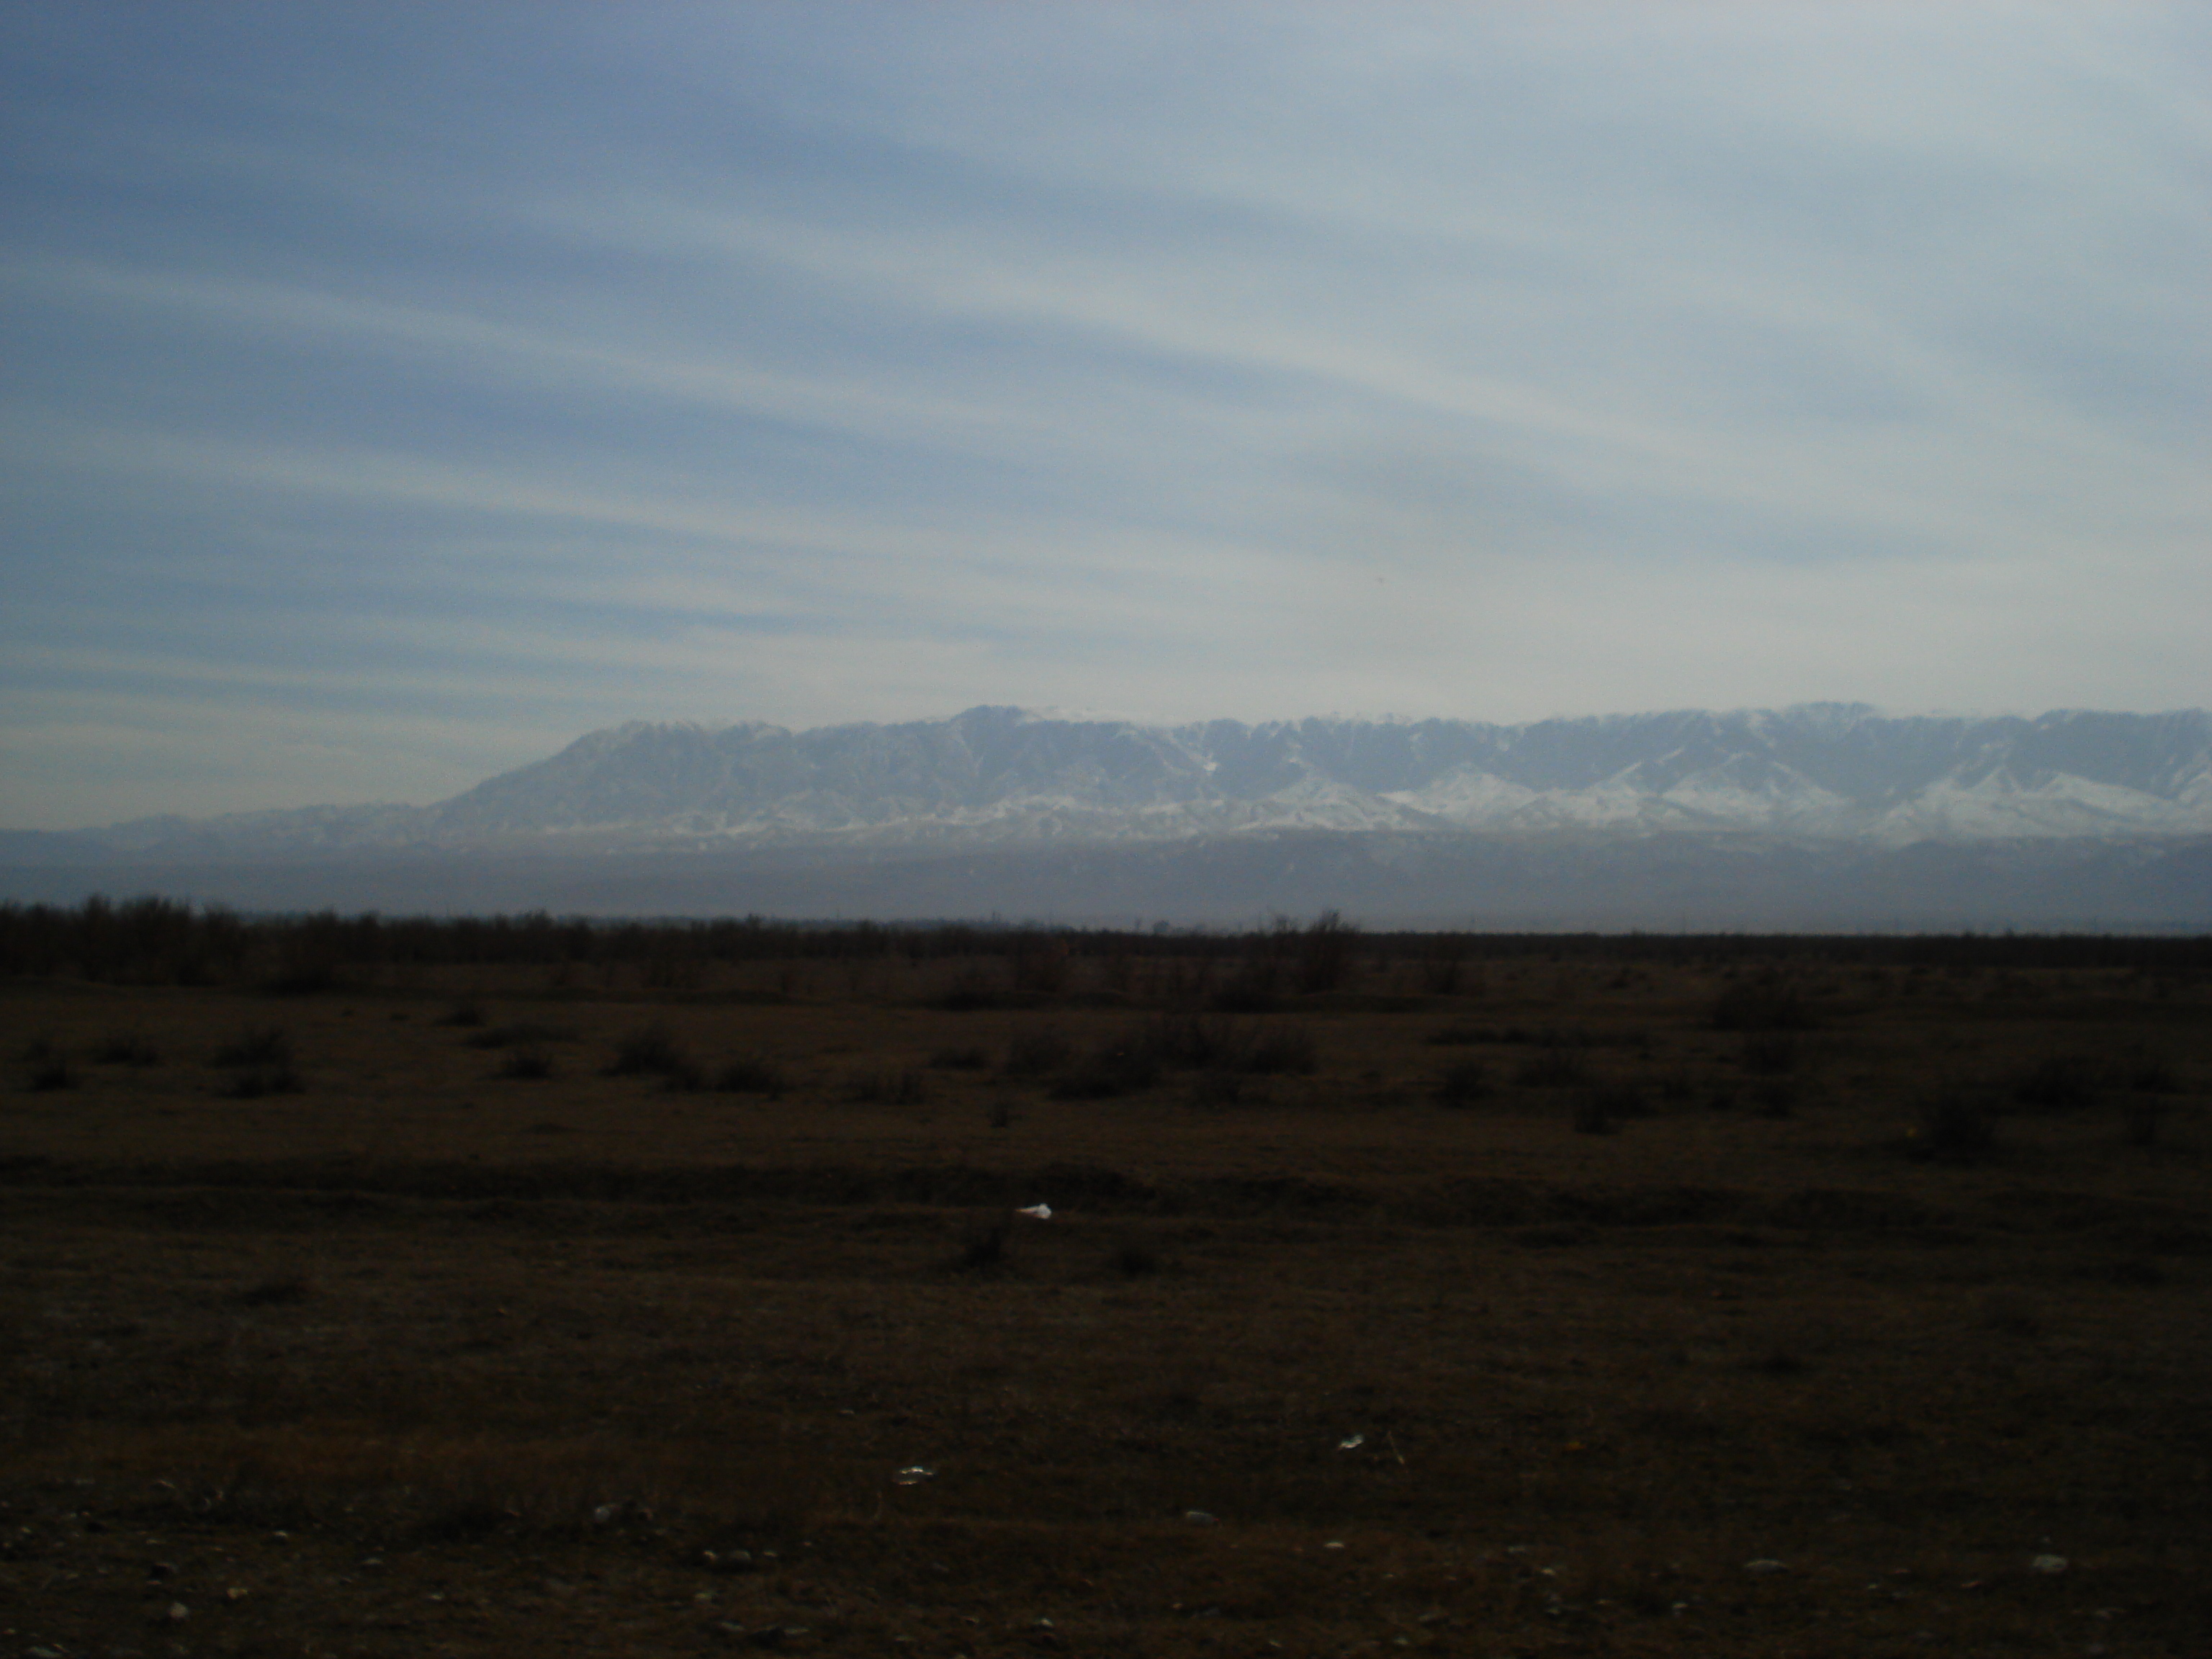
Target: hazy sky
(391, 392)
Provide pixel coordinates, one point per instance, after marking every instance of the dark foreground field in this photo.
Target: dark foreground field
(1537, 1306)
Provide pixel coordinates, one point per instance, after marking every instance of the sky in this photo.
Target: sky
(391, 392)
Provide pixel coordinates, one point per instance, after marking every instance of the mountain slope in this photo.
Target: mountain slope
(1000, 776)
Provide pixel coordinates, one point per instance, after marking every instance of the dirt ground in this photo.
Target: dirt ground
(1586, 1309)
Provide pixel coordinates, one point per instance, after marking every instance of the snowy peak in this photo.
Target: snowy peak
(996, 776)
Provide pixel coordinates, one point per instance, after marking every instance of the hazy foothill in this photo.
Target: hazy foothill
(1828, 816)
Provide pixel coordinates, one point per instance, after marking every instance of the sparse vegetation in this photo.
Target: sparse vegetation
(257, 1045)
(126, 1048)
(895, 1088)
(526, 1065)
(1954, 1127)
(812, 1362)
(2058, 1083)
(1466, 1083)
(654, 1051)
(750, 1074)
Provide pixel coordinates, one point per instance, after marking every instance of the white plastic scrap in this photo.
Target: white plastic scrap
(913, 1476)
(1351, 1442)
(1041, 1211)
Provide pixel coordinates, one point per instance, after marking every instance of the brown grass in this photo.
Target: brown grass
(1464, 1380)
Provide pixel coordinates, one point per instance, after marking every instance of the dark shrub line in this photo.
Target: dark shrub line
(154, 940)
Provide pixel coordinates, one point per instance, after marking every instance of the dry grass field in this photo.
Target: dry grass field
(1548, 1303)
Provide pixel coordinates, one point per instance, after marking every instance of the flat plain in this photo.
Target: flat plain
(1604, 1298)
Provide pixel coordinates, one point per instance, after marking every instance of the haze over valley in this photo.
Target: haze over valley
(1822, 815)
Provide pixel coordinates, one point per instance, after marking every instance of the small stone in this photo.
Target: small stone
(178, 1613)
(1198, 1517)
(1765, 1567)
(2048, 1565)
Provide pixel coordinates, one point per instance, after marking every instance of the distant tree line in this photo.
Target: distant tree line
(155, 940)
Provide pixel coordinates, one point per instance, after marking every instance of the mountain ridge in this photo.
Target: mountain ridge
(1001, 776)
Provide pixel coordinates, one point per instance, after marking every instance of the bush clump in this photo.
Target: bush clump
(1770, 1053)
(1463, 1085)
(126, 1048)
(50, 1074)
(522, 1031)
(652, 1051)
(2058, 1083)
(1120, 1065)
(889, 1088)
(526, 1065)
(1553, 1068)
(1765, 1004)
(1953, 1129)
(255, 1081)
(263, 1045)
(750, 1074)
(1038, 1053)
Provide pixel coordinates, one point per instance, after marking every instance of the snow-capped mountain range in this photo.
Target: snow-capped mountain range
(1003, 777)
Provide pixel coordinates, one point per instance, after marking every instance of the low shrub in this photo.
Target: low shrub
(2058, 1083)
(1039, 1052)
(984, 1247)
(888, 1089)
(1281, 1051)
(1952, 1128)
(1122, 1065)
(2152, 1074)
(1553, 1068)
(281, 1290)
(255, 1081)
(1590, 1115)
(1133, 1259)
(467, 1012)
(651, 1051)
(1218, 1088)
(48, 1075)
(1776, 1097)
(526, 1065)
(2141, 1118)
(521, 1031)
(750, 1074)
(126, 1048)
(1761, 1005)
(1770, 1053)
(256, 1046)
(1463, 1085)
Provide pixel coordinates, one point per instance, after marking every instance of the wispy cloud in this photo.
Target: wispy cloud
(417, 389)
